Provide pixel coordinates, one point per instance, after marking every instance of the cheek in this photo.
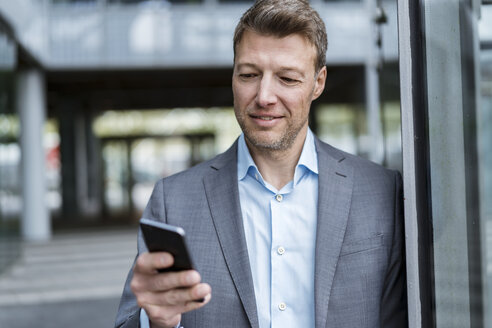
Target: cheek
(299, 102)
(242, 94)
(238, 102)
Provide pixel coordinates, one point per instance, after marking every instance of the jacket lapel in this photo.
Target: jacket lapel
(335, 182)
(223, 198)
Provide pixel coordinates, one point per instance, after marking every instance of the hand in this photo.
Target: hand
(165, 296)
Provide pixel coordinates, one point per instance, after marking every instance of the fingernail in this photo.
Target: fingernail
(205, 290)
(201, 289)
(192, 277)
(165, 259)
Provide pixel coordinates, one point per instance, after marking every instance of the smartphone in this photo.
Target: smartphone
(162, 237)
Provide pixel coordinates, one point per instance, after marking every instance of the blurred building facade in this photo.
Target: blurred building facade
(91, 67)
(100, 98)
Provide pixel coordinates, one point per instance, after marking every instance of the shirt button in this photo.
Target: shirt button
(279, 198)
(282, 306)
(280, 250)
(256, 176)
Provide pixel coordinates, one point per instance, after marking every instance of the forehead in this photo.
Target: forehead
(260, 49)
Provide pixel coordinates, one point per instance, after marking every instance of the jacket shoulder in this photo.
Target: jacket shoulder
(360, 165)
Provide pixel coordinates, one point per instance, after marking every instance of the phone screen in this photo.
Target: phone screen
(162, 237)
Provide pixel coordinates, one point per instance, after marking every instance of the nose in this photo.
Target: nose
(266, 95)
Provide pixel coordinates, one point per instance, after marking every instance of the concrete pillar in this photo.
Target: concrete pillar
(31, 106)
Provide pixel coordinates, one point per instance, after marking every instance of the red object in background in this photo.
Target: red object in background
(53, 158)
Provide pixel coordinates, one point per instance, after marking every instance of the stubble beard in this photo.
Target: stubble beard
(282, 143)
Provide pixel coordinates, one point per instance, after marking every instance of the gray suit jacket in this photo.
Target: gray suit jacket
(359, 269)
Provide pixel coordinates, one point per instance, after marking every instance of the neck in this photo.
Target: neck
(277, 167)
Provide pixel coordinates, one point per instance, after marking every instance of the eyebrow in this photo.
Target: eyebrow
(281, 69)
(246, 65)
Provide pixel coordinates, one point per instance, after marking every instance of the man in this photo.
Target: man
(284, 230)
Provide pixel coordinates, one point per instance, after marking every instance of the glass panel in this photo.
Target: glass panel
(451, 85)
(53, 166)
(116, 177)
(141, 147)
(237, 1)
(341, 126)
(74, 1)
(153, 159)
(123, 2)
(392, 135)
(345, 127)
(446, 115)
(10, 199)
(133, 2)
(485, 178)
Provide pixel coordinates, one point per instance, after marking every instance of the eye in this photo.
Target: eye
(247, 76)
(289, 81)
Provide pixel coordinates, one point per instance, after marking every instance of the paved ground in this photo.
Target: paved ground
(75, 280)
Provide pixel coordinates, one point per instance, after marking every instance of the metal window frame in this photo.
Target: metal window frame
(453, 215)
(415, 149)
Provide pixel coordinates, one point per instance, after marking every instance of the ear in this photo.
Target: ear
(319, 84)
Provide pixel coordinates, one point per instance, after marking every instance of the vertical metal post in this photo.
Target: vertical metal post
(30, 97)
(408, 63)
(130, 178)
(374, 127)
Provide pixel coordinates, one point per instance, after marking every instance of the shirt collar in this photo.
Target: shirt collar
(308, 158)
(244, 159)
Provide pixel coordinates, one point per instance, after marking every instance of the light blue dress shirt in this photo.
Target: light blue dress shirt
(280, 230)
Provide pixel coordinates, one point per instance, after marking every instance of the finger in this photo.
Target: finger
(171, 280)
(199, 292)
(188, 306)
(170, 316)
(161, 282)
(149, 263)
(177, 297)
(193, 305)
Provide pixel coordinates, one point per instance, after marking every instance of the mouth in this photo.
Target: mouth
(264, 118)
(265, 121)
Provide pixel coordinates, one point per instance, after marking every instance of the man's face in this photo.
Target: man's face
(274, 83)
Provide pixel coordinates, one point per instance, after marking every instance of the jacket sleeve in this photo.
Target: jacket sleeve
(129, 311)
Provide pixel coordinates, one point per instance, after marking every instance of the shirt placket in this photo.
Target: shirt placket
(279, 255)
